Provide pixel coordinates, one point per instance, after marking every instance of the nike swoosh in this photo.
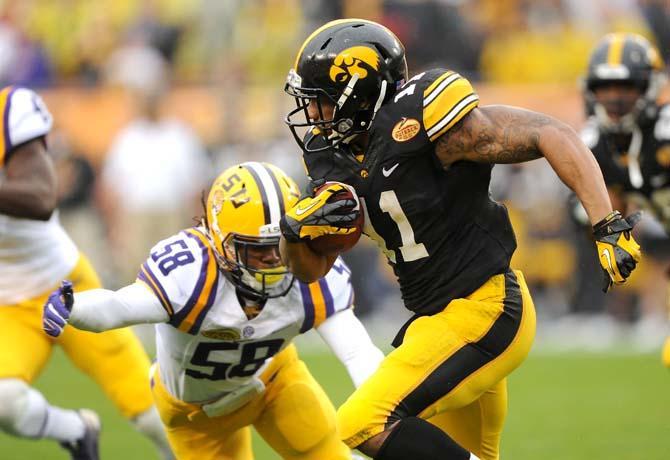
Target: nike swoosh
(388, 172)
(606, 255)
(301, 211)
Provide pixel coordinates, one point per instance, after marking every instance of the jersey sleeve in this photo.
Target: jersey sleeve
(446, 100)
(327, 296)
(24, 117)
(181, 271)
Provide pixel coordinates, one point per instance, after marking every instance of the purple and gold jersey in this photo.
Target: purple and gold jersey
(34, 255)
(209, 346)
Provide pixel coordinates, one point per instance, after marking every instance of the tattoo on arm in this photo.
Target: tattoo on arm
(493, 135)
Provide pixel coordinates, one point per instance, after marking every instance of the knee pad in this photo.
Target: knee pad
(14, 397)
(308, 421)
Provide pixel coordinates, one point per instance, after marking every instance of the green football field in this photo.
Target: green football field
(562, 406)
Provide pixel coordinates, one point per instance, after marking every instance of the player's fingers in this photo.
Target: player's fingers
(634, 218)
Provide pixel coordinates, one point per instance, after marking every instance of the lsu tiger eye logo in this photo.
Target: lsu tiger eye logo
(217, 201)
(355, 60)
(405, 130)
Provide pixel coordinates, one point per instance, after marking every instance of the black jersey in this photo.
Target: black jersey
(640, 168)
(440, 229)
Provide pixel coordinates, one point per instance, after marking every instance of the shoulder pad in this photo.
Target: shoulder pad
(183, 274)
(24, 117)
(590, 134)
(662, 126)
(327, 296)
(447, 97)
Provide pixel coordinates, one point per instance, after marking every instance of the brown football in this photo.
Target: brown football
(335, 244)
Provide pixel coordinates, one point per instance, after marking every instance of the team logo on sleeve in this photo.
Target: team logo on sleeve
(405, 129)
(355, 60)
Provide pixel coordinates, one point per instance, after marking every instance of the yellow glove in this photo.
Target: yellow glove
(618, 251)
(321, 215)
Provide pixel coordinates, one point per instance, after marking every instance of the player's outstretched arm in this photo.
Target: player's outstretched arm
(29, 188)
(503, 134)
(99, 310)
(349, 340)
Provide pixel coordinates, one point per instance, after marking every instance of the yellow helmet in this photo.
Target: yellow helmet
(243, 210)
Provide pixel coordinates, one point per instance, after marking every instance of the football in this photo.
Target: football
(335, 244)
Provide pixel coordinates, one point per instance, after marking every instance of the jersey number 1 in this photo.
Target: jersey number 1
(410, 249)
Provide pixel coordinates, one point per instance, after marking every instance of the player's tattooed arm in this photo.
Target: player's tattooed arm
(494, 134)
(502, 134)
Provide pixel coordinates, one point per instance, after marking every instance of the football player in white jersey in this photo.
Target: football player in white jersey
(35, 255)
(226, 310)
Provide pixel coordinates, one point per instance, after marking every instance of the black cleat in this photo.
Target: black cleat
(86, 448)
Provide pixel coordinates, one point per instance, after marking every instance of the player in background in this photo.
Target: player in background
(35, 254)
(628, 130)
(419, 152)
(226, 311)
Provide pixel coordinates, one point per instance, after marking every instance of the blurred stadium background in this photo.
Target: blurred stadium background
(152, 98)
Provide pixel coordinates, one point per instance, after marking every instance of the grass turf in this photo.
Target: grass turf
(562, 406)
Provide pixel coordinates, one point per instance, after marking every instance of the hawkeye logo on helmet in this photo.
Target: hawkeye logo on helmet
(358, 60)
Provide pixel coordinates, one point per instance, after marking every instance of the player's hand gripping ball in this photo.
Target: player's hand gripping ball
(336, 243)
(330, 221)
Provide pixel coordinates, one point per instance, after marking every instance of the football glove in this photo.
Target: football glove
(317, 216)
(618, 251)
(57, 309)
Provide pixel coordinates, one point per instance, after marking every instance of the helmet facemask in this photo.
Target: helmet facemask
(351, 113)
(254, 265)
(623, 115)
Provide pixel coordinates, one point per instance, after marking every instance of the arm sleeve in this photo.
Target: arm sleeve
(350, 342)
(98, 310)
(24, 117)
(327, 296)
(446, 100)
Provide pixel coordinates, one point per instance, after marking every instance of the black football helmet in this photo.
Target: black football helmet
(625, 59)
(353, 64)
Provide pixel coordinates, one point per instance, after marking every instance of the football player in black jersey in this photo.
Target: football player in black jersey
(629, 131)
(419, 153)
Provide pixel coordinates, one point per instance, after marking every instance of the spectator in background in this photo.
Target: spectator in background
(418, 24)
(23, 60)
(156, 168)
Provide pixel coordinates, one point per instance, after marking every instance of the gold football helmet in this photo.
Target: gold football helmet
(243, 210)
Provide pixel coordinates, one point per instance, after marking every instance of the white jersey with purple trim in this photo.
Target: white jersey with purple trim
(209, 347)
(34, 255)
